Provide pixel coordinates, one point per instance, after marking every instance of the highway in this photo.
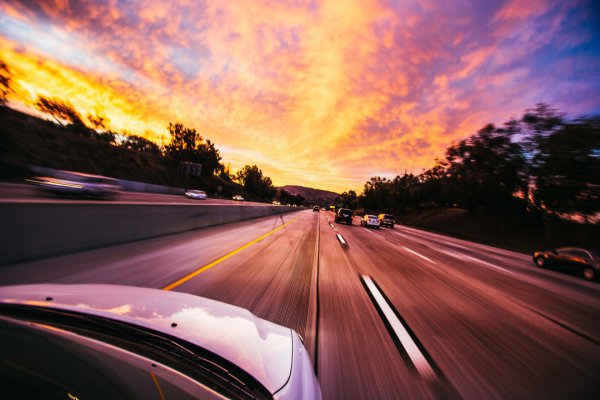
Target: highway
(386, 314)
(24, 193)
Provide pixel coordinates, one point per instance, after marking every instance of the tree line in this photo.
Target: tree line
(185, 145)
(541, 163)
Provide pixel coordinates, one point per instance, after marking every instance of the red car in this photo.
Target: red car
(572, 259)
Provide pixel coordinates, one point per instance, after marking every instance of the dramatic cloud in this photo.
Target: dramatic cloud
(323, 93)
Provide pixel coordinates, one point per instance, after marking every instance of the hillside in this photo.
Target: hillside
(312, 196)
(29, 141)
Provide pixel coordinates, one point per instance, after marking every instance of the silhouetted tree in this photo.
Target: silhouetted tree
(183, 142)
(253, 180)
(486, 169)
(139, 143)
(5, 81)
(348, 200)
(405, 193)
(99, 122)
(433, 188)
(567, 173)
(63, 112)
(538, 123)
(226, 173)
(106, 137)
(539, 160)
(385, 195)
(188, 145)
(210, 158)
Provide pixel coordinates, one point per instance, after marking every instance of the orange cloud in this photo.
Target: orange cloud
(324, 94)
(522, 9)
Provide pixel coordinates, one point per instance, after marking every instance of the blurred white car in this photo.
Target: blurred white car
(237, 197)
(195, 194)
(370, 221)
(120, 342)
(77, 184)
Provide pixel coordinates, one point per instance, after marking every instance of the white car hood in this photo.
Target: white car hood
(261, 348)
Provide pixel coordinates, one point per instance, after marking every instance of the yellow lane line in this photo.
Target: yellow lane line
(158, 388)
(225, 257)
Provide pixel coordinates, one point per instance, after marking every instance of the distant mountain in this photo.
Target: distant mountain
(312, 196)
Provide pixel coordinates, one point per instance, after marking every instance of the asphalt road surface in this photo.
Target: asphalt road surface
(387, 314)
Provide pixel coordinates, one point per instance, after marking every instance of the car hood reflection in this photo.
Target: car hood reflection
(258, 346)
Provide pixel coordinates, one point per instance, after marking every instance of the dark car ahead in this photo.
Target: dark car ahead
(571, 259)
(386, 220)
(316, 208)
(344, 215)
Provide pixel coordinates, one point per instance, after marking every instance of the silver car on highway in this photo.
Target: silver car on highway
(370, 221)
(120, 342)
(77, 184)
(195, 194)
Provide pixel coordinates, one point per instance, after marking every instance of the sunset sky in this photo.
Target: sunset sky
(320, 93)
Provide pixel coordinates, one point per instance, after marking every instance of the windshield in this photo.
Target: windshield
(197, 363)
(63, 367)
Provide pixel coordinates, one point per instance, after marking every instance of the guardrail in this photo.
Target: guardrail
(33, 231)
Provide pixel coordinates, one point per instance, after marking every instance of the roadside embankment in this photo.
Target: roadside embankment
(517, 234)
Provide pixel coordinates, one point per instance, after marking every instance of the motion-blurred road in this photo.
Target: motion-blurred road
(395, 313)
(23, 193)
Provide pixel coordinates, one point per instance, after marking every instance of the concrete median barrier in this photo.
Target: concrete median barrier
(32, 231)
